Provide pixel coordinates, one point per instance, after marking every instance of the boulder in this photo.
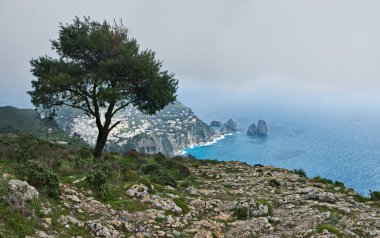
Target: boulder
(20, 192)
(229, 127)
(262, 128)
(216, 124)
(252, 130)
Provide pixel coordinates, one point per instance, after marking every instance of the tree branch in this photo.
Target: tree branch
(77, 107)
(114, 125)
(123, 106)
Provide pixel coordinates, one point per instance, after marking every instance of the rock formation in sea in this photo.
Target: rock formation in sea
(229, 127)
(252, 130)
(216, 124)
(262, 128)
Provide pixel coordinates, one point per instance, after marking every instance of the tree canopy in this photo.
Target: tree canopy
(100, 67)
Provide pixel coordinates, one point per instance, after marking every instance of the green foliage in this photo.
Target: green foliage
(161, 177)
(83, 160)
(339, 184)
(42, 177)
(274, 183)
(318, 179)
(131, 175)
(27, 147)
(182, 203)
(329, 228)
(374, 196)
(300, 172)
(99, 177)
(150, 168)
(241, 213)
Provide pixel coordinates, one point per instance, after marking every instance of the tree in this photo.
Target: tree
(100, 67)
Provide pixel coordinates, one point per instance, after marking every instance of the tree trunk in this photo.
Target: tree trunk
(100, 142)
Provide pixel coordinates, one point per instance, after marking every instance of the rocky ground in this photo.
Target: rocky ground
(221, 200)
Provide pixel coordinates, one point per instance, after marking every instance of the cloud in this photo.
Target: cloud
(325, 46)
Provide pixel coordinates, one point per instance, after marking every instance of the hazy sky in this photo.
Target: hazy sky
(318, 47)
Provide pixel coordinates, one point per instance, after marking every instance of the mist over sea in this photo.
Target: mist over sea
(338, 139)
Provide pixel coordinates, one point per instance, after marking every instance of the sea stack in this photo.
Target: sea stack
(229, 127)
(252, 130)
(216, 124)
(262, 129)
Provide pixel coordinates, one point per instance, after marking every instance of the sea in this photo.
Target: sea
(339, 141)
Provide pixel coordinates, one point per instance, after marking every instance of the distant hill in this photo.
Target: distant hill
(28, 121)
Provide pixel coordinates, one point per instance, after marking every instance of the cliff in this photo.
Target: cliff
(171, 129)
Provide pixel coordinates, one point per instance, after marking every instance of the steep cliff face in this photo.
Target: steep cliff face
(171, 129)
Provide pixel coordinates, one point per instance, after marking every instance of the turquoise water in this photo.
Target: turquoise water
(343, 146)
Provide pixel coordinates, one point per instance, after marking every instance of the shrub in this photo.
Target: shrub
(241, 213)
(339, 184)
(318, 179)
(300, 172)
(274, 183)
(184, 171)
(161, 177)
(182, 203)
(99, 176)
(131, 175)
(258, 165)
(42, 177)
(375, 195)
(329, 228)
(27, 147)
(84, 153)
(150, 168)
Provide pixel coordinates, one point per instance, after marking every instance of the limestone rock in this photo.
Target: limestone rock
(20, 192)
(229, 127)
(139, 190)
(216, 124)
(262, 128)
(252, 130)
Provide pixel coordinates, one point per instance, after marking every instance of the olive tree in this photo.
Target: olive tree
(100, 68)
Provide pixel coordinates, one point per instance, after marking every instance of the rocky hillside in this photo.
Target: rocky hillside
(49, 190)
(171, 129)
(220, 200)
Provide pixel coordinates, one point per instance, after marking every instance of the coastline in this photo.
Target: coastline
(215, 140)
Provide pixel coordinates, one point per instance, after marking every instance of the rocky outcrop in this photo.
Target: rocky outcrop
(216, 124)
(252, 130)
(224, 200)
(262, 128)
(229, 127)
(19, 193)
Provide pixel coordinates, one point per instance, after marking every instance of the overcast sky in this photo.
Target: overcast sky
(327, 47)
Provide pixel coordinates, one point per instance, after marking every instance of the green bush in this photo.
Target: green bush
(375, 196)
(84, 153)
(300, 172)
(182, 203)
(82, 164)
(318, 179)
(274, 183)
(241, 213)
(27, 147)
(339, 184)
(150, 168)
(99, 176)
(42, 177)
(163, 178)
(131, 175)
